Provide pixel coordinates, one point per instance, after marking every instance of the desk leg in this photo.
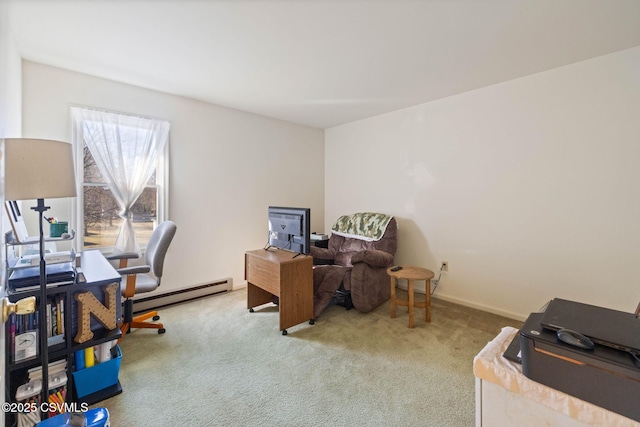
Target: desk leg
(393, 297)
(427, 309)
(412, 323)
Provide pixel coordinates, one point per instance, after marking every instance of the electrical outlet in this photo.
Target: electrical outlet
(444, 266)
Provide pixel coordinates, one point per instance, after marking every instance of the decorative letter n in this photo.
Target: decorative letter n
(88, 304)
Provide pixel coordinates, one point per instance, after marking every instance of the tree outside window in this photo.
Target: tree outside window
(101, 220)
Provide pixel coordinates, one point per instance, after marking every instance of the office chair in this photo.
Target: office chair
(144, 278)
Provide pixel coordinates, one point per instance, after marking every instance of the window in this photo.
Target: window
(101, 222)
(123, 160)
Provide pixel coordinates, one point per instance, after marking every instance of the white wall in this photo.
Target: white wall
(226, 167)
(10, 101)
(10, 80)
(529, 188)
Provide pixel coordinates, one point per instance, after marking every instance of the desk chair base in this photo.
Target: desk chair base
(139, 321)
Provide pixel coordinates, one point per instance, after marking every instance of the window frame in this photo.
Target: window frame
(77, 208)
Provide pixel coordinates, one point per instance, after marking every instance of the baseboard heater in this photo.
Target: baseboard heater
(154, 302)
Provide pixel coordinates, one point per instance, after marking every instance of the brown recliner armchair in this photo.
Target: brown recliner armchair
(360, 250)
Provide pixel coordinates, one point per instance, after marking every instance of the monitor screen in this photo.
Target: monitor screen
(290, 228)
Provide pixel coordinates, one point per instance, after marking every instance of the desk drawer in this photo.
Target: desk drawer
(263, 273)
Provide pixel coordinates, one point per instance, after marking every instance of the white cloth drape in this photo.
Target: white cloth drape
(126, 150)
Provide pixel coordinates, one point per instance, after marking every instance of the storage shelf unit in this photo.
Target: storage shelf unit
(98, 273)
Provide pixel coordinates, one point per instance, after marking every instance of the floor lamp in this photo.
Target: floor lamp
(39, 169)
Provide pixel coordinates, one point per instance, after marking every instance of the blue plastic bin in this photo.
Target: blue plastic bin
(97, 377)
(98, 417)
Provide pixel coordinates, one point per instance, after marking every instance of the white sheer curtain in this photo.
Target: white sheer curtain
(126, 150)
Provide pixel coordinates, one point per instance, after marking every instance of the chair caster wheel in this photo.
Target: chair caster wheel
(312, 322)
(162, 330)
(284, 332)
(156, 318)
(251, 310)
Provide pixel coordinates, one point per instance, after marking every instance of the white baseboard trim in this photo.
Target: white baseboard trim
(156, 301)
(483, 307)
(420, 288)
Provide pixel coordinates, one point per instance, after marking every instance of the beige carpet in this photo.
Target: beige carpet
(219, 365)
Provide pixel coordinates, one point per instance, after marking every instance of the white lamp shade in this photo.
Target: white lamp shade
(38, 169)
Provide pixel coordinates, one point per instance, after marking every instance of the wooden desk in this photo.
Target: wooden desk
(277, 273)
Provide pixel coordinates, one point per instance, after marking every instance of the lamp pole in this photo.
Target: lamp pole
(42, 310)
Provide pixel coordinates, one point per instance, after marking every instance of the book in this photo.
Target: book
(60, 314)
(12, 333)
(49, 324)
(55, 316)
(53, 327)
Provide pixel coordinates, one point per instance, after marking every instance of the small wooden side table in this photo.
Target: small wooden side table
(410, 274)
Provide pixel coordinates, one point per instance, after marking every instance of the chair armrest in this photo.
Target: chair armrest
(137, 269)
(373, 257)
(123, 255)
(322, 253)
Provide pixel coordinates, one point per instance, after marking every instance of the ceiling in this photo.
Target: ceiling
(319, 63)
